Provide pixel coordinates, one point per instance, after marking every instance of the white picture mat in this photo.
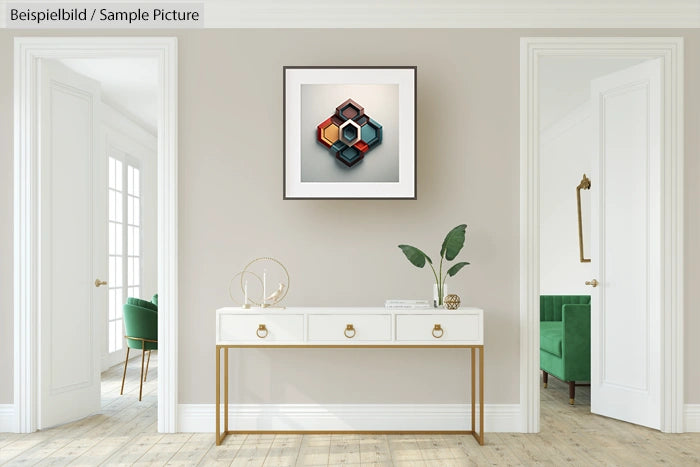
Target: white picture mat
(404, 78)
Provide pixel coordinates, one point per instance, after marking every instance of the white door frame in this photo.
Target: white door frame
(670, 51)
(27, 52)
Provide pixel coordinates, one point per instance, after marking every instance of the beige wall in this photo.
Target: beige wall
(344, 252)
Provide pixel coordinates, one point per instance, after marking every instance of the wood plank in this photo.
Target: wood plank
(125, 433)
(314, 450)
(374, 450)
(284, 451)
(254, 451)
(345, 449)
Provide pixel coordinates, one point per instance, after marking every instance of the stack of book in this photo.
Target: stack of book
(407, 304)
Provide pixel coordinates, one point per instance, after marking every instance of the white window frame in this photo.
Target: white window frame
(127, 161)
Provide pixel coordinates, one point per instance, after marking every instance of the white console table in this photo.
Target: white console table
(320, 328)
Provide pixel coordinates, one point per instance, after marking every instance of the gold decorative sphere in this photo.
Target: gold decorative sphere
(452, 301)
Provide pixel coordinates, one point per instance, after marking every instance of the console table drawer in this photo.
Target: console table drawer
(439, 328)
(261, 328)
(350, 328)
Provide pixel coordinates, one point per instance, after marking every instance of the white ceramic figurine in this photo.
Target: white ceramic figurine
(274, 296)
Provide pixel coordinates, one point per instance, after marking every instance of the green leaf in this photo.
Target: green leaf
(455, 269)
(453, 243)
(415, 256)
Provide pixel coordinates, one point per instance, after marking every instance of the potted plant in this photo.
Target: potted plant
(451, 246)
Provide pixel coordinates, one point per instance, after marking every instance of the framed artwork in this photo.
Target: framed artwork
(349, 132)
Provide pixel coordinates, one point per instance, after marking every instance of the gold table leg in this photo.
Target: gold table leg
(218, 395)
(480, 435)
(473, 381)
(480, 438)
(225, 391)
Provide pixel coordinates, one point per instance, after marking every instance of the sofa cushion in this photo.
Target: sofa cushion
(550, 337)
(551, 305)
(142, 303)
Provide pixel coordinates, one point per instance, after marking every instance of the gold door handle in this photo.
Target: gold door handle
(348, 329)
(261, 328)
(99, 282)
(436, 329)
(592, 283)
(584, 185)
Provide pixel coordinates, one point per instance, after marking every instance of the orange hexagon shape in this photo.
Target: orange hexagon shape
(327, 133)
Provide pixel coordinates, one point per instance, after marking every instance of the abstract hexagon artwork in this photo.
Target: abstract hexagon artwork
(349, 133)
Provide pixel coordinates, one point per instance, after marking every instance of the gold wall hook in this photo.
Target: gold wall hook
(592, 283)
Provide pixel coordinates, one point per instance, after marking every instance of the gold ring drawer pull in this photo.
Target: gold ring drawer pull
(348, 329)
(438, 329)
(262, 331)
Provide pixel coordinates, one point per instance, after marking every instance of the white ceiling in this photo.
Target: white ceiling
(438, 13)
(128, 84)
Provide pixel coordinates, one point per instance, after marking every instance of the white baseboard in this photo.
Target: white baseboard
(692, 418)
(362, 417)
(7, 418)
(341, 417)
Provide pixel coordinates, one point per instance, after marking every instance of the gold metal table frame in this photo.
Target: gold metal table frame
(478, 435)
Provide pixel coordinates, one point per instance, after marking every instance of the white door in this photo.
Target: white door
(73, 246)
(626, 245)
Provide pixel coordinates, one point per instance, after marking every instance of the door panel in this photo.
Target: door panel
(625, 318)
(69, 323)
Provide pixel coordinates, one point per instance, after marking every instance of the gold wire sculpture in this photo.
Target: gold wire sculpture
(452, 301)
(241, 274)
(264, 302)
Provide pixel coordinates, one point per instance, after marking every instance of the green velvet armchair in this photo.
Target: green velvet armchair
(141, 326)
(565, 339)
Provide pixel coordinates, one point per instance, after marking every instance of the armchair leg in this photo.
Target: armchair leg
(545, 378)
(147, 362)
(143, 354)
(124, 376)
(572, 392)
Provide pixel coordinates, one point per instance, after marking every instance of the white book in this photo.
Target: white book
(407, 302)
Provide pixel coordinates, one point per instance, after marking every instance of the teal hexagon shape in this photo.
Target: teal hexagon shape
(372, 133)
(350, 156)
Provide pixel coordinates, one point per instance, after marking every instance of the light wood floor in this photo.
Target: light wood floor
(125, 433)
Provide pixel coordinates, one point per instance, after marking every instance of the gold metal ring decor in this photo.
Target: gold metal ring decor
(349, 328)
(244, 287)
(452, 301)
(436, 329)
(264, 298)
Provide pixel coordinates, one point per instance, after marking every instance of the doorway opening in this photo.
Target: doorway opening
(581, 100)
(126, 149)
(612, 109)
(95, 225)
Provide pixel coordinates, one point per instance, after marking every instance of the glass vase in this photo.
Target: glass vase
(437, 299)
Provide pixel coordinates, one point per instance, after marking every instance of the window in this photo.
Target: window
(124, 243)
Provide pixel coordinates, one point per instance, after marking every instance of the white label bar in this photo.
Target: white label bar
(56, 15)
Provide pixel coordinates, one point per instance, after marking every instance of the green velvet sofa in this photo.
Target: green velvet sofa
(565, 339)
